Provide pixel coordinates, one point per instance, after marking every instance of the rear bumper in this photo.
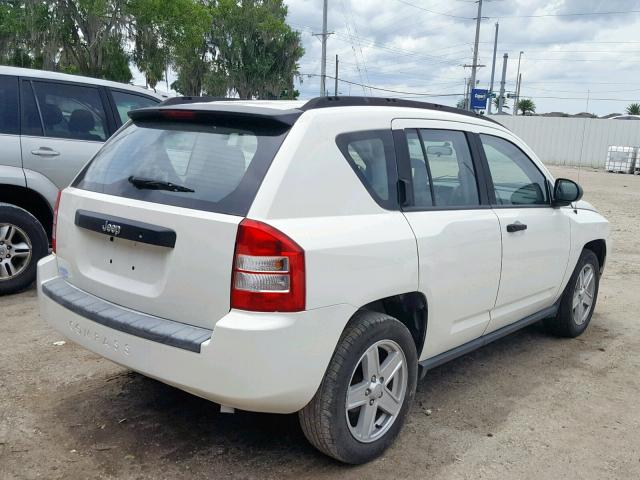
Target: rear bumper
(252, 361)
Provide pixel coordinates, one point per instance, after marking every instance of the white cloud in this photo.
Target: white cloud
(392, 45)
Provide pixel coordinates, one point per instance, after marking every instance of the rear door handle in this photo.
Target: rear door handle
(45, 152)
(516, 227)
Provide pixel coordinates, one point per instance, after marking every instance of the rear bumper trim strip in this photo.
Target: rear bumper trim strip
(156, 329)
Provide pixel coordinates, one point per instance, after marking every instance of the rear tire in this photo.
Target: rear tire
(23, 242)
(578, 300)
(371, 346)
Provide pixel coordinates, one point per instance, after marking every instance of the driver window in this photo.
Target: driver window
(516, 179)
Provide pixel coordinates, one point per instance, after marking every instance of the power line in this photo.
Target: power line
(434, 12)
(417, 94)
(576, 14)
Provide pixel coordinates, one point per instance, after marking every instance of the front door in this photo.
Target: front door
(64, 125)
(536, 237)
(457, 232)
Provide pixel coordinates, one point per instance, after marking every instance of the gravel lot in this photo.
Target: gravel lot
(527, 406)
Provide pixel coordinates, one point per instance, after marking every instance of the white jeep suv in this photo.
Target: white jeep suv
(315, 257)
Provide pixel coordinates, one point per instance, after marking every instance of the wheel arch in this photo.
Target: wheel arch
(31, 201)
(410, 308)
(599, 247)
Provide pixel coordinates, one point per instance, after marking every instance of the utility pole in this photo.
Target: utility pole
(336, 86)
(474, 65)
(515, 110)
(493, 69)
(502, 82)
(323, 68)
(518, 92)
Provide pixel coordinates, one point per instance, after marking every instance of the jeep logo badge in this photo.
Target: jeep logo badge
(111, 228)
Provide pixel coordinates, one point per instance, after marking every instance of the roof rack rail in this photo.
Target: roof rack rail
(348, 101)
(187, 99)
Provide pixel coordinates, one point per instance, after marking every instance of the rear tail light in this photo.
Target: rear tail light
(268, 270)
(55, 222)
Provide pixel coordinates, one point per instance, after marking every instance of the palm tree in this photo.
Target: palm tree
(526, 106)
(504, 105)
(633, 109)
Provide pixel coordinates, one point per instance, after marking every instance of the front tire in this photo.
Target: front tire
(23, 242)
(367, 391)
(579, 298)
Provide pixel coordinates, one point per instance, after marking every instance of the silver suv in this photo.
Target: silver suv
(51, 124)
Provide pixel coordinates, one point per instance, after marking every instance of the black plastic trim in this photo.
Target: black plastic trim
(204, 112)
(156, 329)
(468, 347)
(348, 101)
(125, 228)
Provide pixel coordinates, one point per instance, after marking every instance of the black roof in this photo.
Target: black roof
(288, 116)
(348, 101)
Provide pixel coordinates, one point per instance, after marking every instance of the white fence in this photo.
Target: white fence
(571, 141)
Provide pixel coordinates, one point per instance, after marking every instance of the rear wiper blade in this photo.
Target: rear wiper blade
(151, 184)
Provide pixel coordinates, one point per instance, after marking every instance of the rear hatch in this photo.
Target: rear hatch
(150, 224)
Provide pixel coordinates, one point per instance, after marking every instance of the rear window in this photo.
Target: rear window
(223, 164)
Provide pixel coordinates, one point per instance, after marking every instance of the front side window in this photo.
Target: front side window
(516, 179)
(9, 122)
(214, 167)
(449, 167)
(71, 111)
(372, 157)
(125, 102)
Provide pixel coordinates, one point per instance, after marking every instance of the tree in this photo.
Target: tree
(526, 106)
(254, 47)
(633, 109)
(504, 104)
(460, 104)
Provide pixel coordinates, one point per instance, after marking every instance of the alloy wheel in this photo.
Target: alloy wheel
(376, 391)
(583, 294)
(15, 251)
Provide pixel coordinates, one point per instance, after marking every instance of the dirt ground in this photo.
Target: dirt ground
(527, 406)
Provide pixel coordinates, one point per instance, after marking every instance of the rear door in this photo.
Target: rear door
(457, 232)
(536, 237)
(166, 252)
(64, 125)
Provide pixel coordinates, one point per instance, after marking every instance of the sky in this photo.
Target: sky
(418, 47)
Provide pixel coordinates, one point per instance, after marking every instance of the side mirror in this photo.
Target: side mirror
(565, 192)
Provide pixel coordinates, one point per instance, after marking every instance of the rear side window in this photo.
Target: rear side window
(9, 122)
(372, 157)
(125, 102)
(71, 111)
(221, 165)
(442, 169)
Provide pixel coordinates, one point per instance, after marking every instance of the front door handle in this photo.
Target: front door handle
(45, 152)
(516, 227)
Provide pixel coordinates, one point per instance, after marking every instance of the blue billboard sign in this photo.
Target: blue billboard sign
(479, 98)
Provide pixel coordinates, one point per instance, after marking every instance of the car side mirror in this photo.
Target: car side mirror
(565, 192)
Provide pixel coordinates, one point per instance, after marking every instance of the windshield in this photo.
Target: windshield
(219, 167)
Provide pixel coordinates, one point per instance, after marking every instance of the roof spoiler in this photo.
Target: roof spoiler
(188, 99)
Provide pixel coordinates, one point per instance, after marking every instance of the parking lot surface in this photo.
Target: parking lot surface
(527, 406)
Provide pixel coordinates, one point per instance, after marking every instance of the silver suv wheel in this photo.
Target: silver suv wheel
(15, 251)
(376, 391)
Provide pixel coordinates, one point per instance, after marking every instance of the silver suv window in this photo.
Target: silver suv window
(214, 167)
(71, 111)
(125, 102)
